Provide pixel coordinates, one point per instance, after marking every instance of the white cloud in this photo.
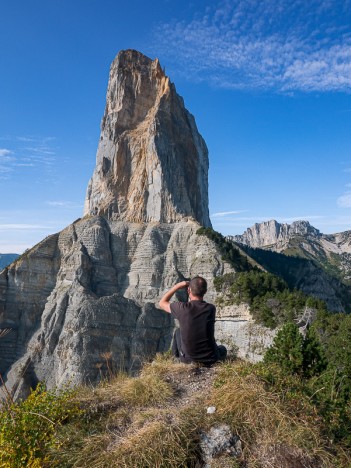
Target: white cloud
(4, 152)
(64, 204)
(27, 139)
(20, 156)
(345, 200)
(226, 213)
(21, 227)
(5, 163)
(268, 44)
(5, 169)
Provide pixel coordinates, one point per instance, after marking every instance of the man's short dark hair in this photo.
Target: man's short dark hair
(198, 286)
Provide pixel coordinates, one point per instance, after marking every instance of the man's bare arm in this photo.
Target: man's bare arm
(164, 303)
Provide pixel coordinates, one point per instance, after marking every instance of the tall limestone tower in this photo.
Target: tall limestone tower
(152, 163)
(89, 293)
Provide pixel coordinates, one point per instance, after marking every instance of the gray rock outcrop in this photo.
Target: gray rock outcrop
(151, 163)
(219, 440)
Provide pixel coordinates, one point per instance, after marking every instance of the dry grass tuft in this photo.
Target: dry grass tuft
(145, 390)
(263, 420)
(164, 365)
(155, 438)
(156, 444)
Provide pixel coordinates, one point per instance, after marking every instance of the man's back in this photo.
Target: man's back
(197, 322)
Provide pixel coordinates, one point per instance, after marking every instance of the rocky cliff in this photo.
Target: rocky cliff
(85, 300)
(151, 162)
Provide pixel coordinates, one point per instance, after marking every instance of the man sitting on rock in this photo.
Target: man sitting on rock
(194, 341)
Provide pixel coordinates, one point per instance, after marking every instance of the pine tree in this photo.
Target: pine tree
(287, 349)
(314, 360)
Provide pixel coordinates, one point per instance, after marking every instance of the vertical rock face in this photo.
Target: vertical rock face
(151, 164)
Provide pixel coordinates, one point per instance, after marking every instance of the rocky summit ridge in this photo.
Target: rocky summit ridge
(324, 269)
(299, 235)
(272, 233)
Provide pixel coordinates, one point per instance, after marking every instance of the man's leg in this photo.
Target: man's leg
(177, 344)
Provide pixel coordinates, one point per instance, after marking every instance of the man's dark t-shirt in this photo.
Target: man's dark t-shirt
(197, 322)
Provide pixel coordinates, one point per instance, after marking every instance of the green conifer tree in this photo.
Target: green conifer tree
(287, 349)
(314, 360)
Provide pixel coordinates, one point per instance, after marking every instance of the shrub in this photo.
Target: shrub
(287, 350)
(28, 428)
(323, 369)
(314, 359)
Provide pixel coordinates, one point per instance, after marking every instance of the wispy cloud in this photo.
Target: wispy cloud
(4, 153)
(26, 139)
(344, 201)
(24, 152)
(21, 227)
(226, 213)
(267, 44)
(64, 204)
(6, 159)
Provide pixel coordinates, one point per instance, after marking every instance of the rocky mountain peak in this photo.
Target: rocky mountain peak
(271, 232)
(151, 163)
(304, 228)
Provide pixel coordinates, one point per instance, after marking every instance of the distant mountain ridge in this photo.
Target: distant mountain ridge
(329, 252)
(6, 259)
(271, 233)
(332, 251)
(278, 237)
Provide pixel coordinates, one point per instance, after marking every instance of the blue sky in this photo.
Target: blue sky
(268, 82)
